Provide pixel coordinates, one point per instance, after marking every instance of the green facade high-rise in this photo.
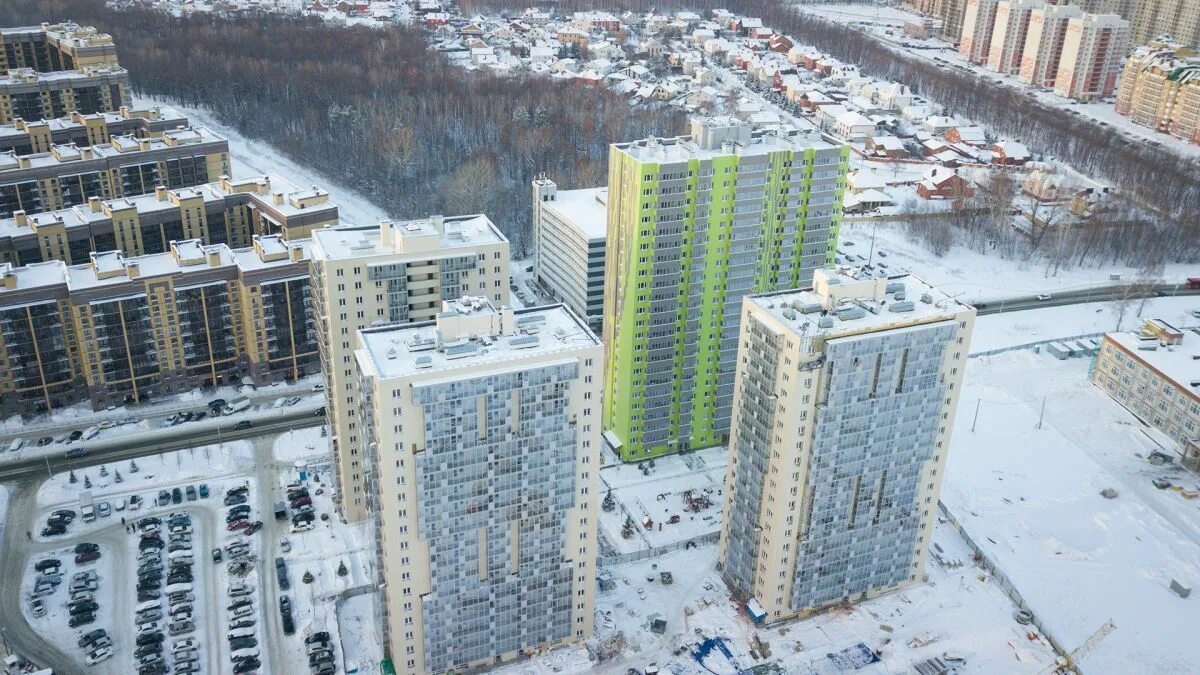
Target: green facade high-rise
(694, 224)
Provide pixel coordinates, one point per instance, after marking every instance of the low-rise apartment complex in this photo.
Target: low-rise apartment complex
(1155, 373)
(130, 328)
(124, 166)
(569, 234)
(392, 273)
(845, 397)
(26, 137)
(50, 47)
(228, 211)
(481, 430)
(1160, 89)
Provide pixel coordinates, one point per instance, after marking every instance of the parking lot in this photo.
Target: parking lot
(212, 559)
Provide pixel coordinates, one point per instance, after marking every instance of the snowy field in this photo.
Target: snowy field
(1030, 497)
(302, 444)
(975, 277)
(1009, 329)
(250, 157)
(958, 612)
(660, 495)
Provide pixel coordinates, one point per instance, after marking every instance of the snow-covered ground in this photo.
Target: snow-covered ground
(250, 157)
(974, 276)
(359, 632)
(1009, 329)
(958, 612)
(1031, 499)
(301, 444)
(660, 495)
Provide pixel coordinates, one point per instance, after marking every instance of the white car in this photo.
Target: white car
(99, 655)
(1043, 296)
(285, 545)
(37, 607)
(301, 527)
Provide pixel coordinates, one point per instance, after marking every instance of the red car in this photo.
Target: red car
(238, 525)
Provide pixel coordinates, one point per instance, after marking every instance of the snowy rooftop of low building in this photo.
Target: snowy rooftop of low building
(471, 334)
(431, 235)
(118, 146)
(1176, 363)
(849, 300)
(705, 142)
(587, 209)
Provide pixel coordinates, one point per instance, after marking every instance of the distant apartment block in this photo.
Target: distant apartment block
(569, 236)
(951, 13)
(481, 432)
(124, 166)
(50, 71)
(979, 17)
(845, 401)
(1179, 19)
(1008, 36)
(52, 47)
(1093, 48)
(27, 137)
(228, 211)
(696, 223)
(391, 273)
(124, 329)
(1153, 372)
(1160, 89)
(1044, 42)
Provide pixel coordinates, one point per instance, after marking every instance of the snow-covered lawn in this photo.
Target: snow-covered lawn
(974, 276)
(660, 496)
(1031, 498)
(360, 633)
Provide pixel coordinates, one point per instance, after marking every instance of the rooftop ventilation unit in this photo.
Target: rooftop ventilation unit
(523, 342)
(904, 306)
(460, 349)
(895, 287)
(825, 322)
(424, 362)
(807, 307)
(391, 353)
(421, 343)
(927, 298)
(789, 314)
(851, 313)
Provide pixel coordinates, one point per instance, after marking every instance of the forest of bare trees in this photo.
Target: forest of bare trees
(373, 108)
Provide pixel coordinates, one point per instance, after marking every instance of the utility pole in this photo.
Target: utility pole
(1042, 415)
(978, 401)
(49, 474)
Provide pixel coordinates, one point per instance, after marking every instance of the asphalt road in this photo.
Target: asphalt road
(1064, 298)
(153, 442)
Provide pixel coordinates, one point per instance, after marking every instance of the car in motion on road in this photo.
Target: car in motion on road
(1043, 297)
(75, 453)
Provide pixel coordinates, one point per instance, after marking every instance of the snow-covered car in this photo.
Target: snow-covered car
(1043, 296)
(102, 654)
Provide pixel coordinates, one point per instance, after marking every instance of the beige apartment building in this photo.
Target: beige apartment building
(121, 329)
(1153, 372)
(228, 211)
(1160, 89)
(52, 47)
(1093, 49)
(979, 18)
(845, 397)
(124, 166)
(570, 231)
(1179, 19)
(481, 432)
(1009, 34)
(1044, 43)
(392, 273)
(27, 137)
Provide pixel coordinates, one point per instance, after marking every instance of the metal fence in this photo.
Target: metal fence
(1028, 345)
(608, 558)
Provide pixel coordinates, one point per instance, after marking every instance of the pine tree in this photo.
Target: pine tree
(103, 470)
(87, 482)
(72, 478)
(627, 530)
(308, 577)
(342, 571)
(609, 503)
(133, 466)
(117, 475)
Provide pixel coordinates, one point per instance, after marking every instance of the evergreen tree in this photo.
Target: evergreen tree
(627, 530)
(609, 503)
(117, 475)
(308, 577)
(87, 482)
(72, 478)
(341, 570)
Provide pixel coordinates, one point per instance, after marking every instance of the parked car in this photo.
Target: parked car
(176, 495)
(37, 608)
(47, 564)
(204, 490)
(89, 638)
(99, 655)
(191, 493)
(104, 509)
(88, 557)
(78, 620)
(282, 573)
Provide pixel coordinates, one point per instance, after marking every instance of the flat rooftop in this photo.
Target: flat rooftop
(586, 208)
(412, 349)
(856, 301)
(455, 232)
(1174, 362)
(683, 148)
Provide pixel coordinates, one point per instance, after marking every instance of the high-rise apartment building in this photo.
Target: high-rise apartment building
(54, 47)
(1044, 43)
(569, 235)
(979, 18)
(124, 166)
(224, 212)
(1150, 372)
(482, 435)
(394, 272)
(1093, 48)
(51, 71)
(694, 224)
(1178, 19)
(123, 329)
(1008, 36)
(951, 13)
(1160, 89)
(845, 403)
(25, 137)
